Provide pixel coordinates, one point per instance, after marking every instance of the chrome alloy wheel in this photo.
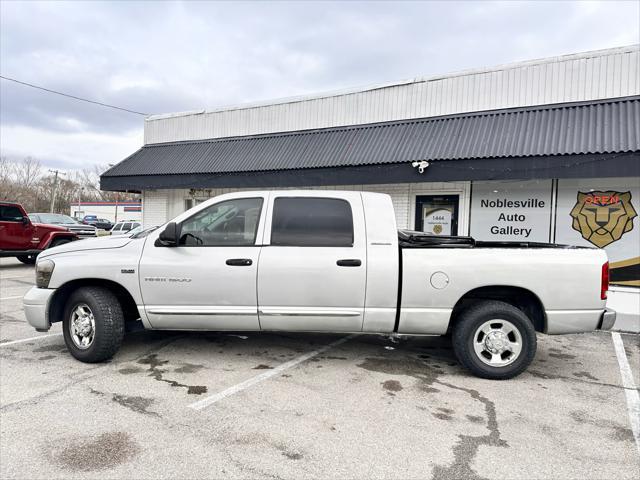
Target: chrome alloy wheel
(497, 343)
(82, 326)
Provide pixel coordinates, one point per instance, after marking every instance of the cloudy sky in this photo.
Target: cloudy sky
(167, 57)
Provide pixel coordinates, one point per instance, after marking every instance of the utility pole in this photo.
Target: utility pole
(55, 188)
(117, 198)
(79, 199)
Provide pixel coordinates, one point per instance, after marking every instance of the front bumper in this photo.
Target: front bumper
(36, 308)
(607, 319)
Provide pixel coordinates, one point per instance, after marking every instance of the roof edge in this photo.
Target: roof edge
(548, 106)
(380, 86)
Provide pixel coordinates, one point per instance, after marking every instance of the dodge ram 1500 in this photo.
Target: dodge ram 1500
(319, 262)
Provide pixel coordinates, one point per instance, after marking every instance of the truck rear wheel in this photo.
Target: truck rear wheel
(93, 324)
(27, 259)
(494, 340)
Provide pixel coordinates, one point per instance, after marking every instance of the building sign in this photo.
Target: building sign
(603, 213)
(437, 222)
(603, 217)
(511, 211)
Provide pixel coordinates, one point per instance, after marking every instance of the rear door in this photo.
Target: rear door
(312, 269)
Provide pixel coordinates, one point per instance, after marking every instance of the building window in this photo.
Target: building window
(437, 214)
(312, 222)
(189, 203)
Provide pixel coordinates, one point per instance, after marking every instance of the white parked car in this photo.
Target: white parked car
(319, 262)
(124, 227)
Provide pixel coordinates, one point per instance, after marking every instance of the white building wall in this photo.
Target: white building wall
(155, 207)
(579, 77)
(161, 206)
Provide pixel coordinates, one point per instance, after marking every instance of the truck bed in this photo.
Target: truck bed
(414, 239)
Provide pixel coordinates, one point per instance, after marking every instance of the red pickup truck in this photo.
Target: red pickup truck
(21, 238)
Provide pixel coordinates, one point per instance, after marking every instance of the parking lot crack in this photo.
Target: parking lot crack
(466, 449)
(157, 373)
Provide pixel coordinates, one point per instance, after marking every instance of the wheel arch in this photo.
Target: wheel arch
(51, 237)
(521, 298)
(62, 294)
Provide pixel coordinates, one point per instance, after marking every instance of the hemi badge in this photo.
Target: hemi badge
(127, 270)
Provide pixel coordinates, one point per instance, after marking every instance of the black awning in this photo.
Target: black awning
(597, 138)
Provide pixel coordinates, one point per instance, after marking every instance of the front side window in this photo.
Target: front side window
(234, 222)
(312, 222)
(9, 213)
(126, 227)
(117, 227)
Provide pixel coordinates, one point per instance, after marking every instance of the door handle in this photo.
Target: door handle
(350, 262)
(239, 262)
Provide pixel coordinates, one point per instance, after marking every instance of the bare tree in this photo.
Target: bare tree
(27, 183)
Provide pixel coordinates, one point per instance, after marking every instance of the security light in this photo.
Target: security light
(420, 165)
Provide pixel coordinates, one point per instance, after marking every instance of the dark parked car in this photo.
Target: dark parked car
(102, 223)
(74, 226)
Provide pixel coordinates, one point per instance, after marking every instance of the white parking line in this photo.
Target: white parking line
(205, 402)
(29, 339)
(11, 298)
(633, 398)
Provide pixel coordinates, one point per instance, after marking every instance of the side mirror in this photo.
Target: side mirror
(25, 221)
(169, 236)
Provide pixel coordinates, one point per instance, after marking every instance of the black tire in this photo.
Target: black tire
(108, 319)
(477, 315)
(27, 259)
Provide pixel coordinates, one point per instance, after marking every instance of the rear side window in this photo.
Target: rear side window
(312, 222)
(126, 227)
(9, 213)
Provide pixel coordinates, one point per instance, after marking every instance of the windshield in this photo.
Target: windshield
(56, 218)
(143, 233)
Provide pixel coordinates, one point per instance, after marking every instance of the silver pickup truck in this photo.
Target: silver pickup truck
(319, 261)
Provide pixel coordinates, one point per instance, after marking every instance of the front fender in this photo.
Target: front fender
(49, 237)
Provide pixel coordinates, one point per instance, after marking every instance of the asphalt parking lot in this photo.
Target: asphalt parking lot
(213, 405)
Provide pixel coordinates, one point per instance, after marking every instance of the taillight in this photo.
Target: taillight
(604, 285)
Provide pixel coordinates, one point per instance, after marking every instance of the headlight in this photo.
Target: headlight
(44, 270)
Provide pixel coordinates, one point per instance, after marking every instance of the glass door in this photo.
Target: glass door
(437, 214)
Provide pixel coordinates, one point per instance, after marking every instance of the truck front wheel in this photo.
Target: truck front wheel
(93, 324)
(494, 340)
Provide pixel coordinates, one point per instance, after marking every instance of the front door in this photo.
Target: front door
(312, 272)
(437, 214)
(208, 281)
